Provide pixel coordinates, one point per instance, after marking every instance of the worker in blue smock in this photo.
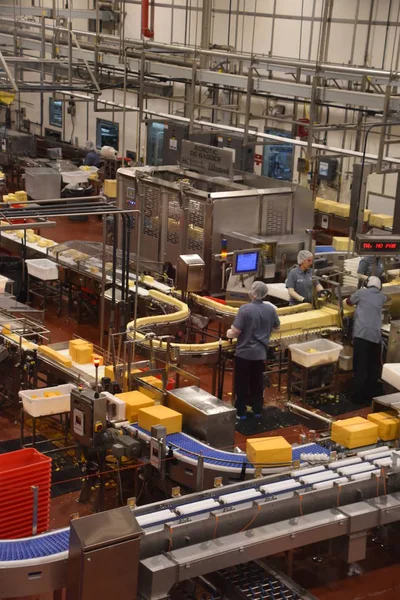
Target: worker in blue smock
(370, 265)
(92, 158)
(367, 360)
(252, 327)
(299, 281)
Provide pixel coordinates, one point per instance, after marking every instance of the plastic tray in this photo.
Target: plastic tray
(327, 352)
(41, 406)
(42, 268)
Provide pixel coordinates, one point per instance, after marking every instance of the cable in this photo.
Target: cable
(252, 520)
(215, 527)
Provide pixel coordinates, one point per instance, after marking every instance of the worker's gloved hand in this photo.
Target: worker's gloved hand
(324, 295)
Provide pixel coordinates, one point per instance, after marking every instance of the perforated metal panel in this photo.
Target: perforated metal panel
(275, 217)
(195, 242)
(174, 216)
(151, 210)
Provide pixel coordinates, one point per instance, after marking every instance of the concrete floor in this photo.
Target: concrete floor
(378, 577)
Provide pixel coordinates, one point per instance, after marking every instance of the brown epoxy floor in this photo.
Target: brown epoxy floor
(376, 578)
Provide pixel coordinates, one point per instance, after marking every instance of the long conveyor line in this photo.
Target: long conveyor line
(53, 546)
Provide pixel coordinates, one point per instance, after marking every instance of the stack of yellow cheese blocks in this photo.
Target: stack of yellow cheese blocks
(325, 317)
(268, 451)
(160, 415)
(57, 356)
(81, 351)
(21, 196)
(339, 209)
(388, 425)
(134, 401)
(341, 244)
(354, 432)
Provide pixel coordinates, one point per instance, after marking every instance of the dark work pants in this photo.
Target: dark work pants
(249, 385)
(367, 367)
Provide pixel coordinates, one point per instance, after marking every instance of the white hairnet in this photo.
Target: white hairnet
(374, 282)
(89, 145)
(108, 152)
(303, 255)
(258, 290)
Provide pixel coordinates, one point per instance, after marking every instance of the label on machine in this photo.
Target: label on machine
(207, 159)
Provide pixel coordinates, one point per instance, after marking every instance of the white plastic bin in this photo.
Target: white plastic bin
(41, 406)
(42, 268)
(327, 352)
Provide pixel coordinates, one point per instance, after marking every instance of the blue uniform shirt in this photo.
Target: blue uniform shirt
(256, 321)
(301, 282)
(92, 159)
(368, 316)
(370, 265)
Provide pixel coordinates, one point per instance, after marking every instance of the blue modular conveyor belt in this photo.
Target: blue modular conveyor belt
(188, 448)
(35, 549)
(53, 546)
(324, 249)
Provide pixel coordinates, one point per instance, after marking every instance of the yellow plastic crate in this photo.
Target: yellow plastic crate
(160, 415)
(269, 450)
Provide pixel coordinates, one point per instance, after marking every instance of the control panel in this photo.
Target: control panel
(88, 416)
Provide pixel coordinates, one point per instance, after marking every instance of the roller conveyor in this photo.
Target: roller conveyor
(47, 546)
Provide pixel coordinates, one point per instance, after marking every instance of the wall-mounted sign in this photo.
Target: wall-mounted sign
(214, 162)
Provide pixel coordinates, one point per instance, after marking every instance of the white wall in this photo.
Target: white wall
(286, 36)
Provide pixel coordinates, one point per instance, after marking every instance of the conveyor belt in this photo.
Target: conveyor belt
(188, 449)
(324, 249)
(53, 546)
(47, 545)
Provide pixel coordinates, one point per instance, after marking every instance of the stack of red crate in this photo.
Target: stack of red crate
(19, 471)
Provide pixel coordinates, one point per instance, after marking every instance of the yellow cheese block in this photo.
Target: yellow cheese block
(52, 394)
(323, 205)
(312, 319)
(367, 214)
(388, 425)
(355, 435)
(57, 356)
(6, 328)
(44, 243)
(110, 188)
(31, 238)
(134, 402)
(380, 220)
(268, 451)
(74, 344)
(109, 372)
(83, 354)
(157, 383)
(336, 425)
(342, 244)
(341, 210)
(21, 196)
(20, 233)
(160, 415)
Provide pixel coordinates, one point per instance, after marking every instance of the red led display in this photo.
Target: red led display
(380, 246)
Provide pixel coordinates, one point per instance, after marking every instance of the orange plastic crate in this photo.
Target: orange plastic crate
(19, 471)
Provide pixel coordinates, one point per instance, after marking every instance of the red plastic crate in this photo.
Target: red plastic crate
(19, 471)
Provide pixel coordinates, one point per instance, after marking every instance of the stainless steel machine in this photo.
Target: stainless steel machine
(204, 416)
(184, 212)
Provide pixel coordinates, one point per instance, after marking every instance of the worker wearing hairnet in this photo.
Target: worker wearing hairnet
(299, 282)
(370, 265)
(92, 158)
(367, 361)
(252, 327)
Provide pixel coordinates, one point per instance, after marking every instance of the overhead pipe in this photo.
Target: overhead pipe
(147, 29)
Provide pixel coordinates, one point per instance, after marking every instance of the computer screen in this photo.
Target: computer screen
(55, 112)
(107, 134)
(246, 262)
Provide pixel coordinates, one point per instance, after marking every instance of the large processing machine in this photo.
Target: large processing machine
(187, 213)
